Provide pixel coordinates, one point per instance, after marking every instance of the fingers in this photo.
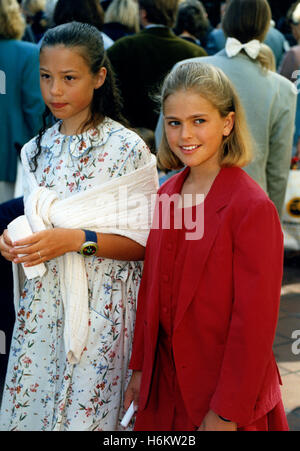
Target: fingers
(6, 238)
(128, 398)
(5, 246)
(29, 250)
(33, 258)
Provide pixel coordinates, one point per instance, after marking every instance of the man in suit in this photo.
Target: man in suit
(143, 60)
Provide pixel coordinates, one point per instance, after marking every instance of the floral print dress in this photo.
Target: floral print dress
(43, 391)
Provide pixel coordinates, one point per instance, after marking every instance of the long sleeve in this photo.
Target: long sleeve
(32, 102)
(257, 272)
(280, 149)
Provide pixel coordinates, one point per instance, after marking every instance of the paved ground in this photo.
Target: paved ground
(289, 322)
(286, 348)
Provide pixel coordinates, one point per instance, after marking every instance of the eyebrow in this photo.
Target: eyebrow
(62, 72)
(192, 116)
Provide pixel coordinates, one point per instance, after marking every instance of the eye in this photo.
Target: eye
(69, 77)
(173, 123)
(199, 121)
(45, 76)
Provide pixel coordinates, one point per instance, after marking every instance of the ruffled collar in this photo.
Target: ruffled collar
(78, 145)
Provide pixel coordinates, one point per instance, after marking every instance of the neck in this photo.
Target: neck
(201, 178)
(71, 127)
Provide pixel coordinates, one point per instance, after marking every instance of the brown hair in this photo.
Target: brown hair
(212, 84)
(160, 11)
(246, 20)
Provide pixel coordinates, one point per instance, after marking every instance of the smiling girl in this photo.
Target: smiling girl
(68, 365)
(207, 308)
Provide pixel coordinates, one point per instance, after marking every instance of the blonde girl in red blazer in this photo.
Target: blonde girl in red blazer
(209, 297)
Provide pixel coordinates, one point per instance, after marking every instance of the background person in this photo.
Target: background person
(21, 105)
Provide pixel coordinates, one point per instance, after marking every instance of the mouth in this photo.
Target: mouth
(57, 106)
(187, 150)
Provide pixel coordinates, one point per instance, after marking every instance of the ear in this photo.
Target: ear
(100, 78)
(228, 123)
(143, 16)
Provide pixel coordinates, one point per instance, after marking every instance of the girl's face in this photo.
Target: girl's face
(67, 85)
(194, 128)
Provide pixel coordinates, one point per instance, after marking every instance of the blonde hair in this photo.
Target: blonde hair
(125, 12)
(213, 85)
(32, 7)
(12, 23)
(266, 54)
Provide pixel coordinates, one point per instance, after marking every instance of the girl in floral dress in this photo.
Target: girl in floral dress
(86, 147)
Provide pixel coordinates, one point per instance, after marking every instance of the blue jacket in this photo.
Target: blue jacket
(21, 104)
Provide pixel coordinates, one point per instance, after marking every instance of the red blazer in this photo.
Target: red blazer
(229, 301)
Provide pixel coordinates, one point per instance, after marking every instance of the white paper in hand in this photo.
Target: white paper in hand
(18, 229)
(128, 415)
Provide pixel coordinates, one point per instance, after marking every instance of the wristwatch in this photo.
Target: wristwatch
(90, 246)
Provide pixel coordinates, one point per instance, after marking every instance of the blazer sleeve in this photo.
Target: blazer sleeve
(257, 273)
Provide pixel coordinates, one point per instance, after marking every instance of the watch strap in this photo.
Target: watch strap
(90, 236)
(90, 246)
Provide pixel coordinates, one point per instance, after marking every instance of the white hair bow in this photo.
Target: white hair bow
(234, 46)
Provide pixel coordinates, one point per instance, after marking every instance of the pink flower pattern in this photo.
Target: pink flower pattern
(42, 390)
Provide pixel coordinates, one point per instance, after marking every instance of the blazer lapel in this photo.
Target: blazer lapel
(198, 251)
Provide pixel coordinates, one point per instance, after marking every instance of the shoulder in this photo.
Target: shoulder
(124, 144)
(293, 54)
(282, 86)
(219, 59)
(273, 33)
(116, 130)
(29, 149)
(20, 49)
(124, 43)
(246, 198)
(28, 48)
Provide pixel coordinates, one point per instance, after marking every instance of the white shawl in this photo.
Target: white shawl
(122, 206)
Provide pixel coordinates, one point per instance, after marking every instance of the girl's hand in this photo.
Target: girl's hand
(46, 245)
(212, 422)
(133, 390)
(6, 246)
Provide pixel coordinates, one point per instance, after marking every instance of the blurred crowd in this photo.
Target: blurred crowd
(139, 74)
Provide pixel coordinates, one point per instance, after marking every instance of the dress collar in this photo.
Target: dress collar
(78, 145)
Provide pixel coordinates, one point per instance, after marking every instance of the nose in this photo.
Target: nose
(55, 87)
(186, 131)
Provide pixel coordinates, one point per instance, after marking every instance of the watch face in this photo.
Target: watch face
(89, 249)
